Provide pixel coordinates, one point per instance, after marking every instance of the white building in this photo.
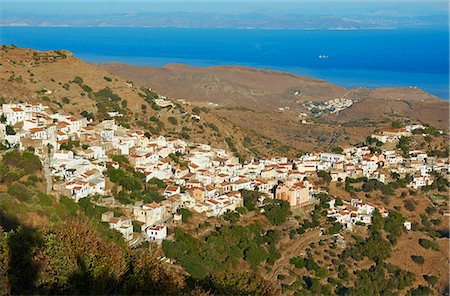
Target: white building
(156, 233)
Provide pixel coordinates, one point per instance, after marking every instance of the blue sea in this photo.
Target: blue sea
(369, 58)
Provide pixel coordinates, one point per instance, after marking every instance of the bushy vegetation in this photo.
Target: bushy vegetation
(20, 191)
(224, 249)
(107, 94)
(381, 278)
(394, 226)
(133, 186)
(72, 253)
(10, 130)
(251, 198)
(71, 258)
(149, 96)
(318, 212)
(310, 264)
(185, 214)
(26, 161)
(88, 115)
(404, 145)
(276, 211)
(418, 259)
(325, 176)
(428, 244)
(233, 147)
(369, 185)
(337, 150)
(172, 120)
(70, 144)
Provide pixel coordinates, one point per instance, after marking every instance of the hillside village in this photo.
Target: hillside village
(81, 157)
(331, 106)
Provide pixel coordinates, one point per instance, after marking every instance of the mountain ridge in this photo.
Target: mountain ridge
(281, 103)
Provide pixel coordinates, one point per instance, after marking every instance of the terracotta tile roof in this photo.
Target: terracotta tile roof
(36, 129)
(172, 188)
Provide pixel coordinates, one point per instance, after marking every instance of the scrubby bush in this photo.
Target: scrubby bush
(185, 214)
(172, 120)
(428, 244)
(410, 206)
(20, 191)
(418, 259)
(276, 211)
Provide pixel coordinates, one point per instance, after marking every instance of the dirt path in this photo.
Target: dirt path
(47, 175)
(291, 248)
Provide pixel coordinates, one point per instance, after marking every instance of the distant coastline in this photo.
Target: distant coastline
(347, 79)
(18, 25)
(357, 58)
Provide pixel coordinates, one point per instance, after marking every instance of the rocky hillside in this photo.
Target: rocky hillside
(257, 89)
(252, 98)
(267, 90)
(247, 119)
(64, 82)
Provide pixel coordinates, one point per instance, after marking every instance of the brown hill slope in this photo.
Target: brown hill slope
(70, 85)
(267, 90)
(250, 98)
(411, 103)
(252, 88)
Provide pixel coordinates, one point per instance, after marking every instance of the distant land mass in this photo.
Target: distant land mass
(220, 20)
(356, 58)
(288, 111)
(283, 106)
(268, 90)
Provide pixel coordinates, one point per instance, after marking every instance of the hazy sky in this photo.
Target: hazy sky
(333, 7)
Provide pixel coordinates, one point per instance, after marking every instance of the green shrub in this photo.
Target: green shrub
(418, 259)
(231, 216)
(185, 213)
(250, 198)
(13, 175)
(159, 183)
(337, 150)
(27, 161)
(20, 191)
(431, 279)
(298, 262)
(172, 120)
(10, 130)
(33, 178)
(107, 94)
(276, 211)
(335, 228)
(324, 176)
(428, 244)
(420, 291)
(45, 200)
(120, 159)
(88, 115)
(196, 110)
(410, 206)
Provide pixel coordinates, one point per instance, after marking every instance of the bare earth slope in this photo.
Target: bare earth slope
(252, 88)
(399, 102)
(49, 78)
(267, 90)
(251, 98)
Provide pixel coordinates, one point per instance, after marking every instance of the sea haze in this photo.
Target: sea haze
(369, 58)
